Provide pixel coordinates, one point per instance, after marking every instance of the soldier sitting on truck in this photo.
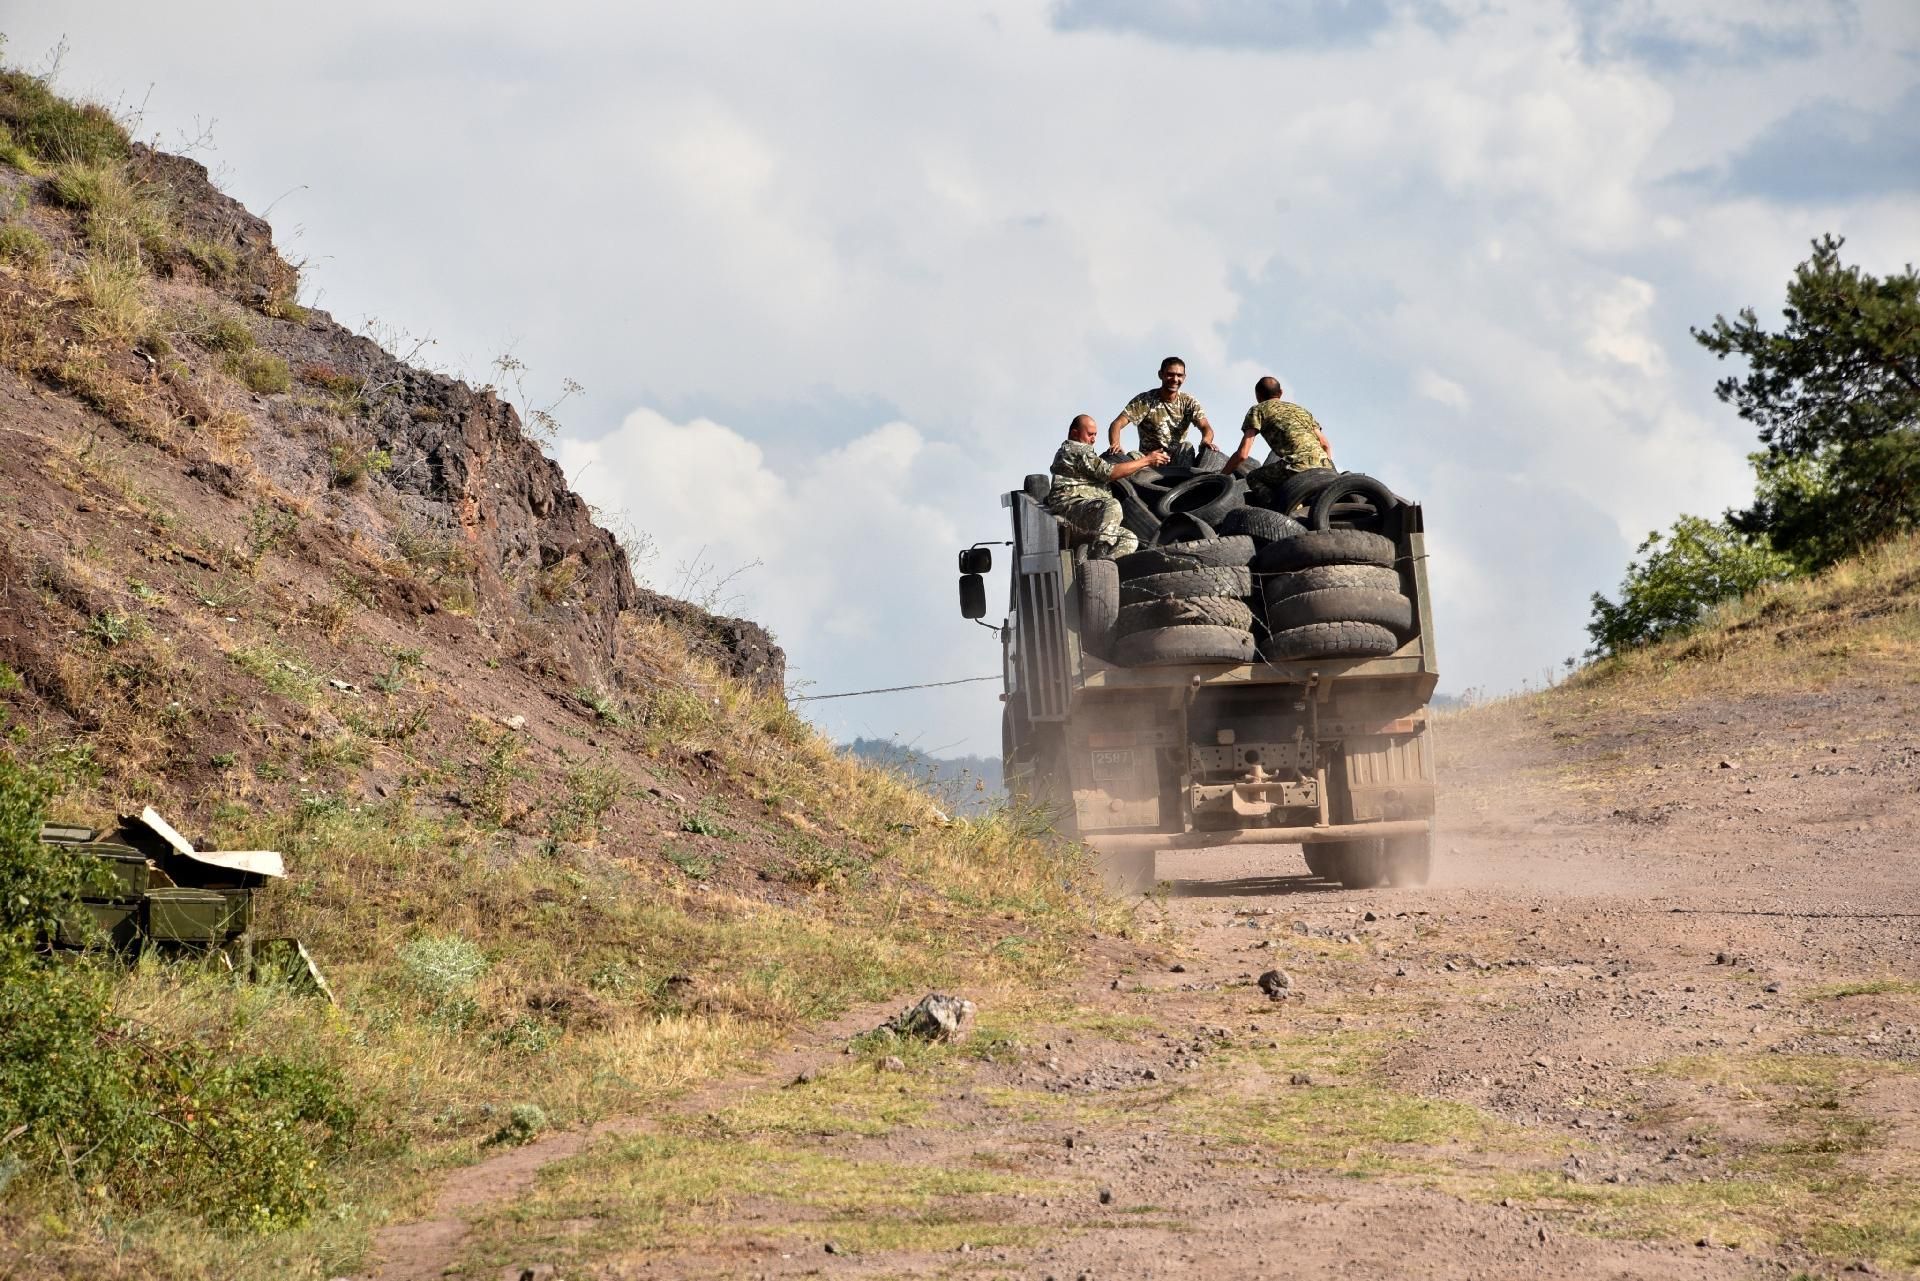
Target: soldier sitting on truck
(1291, 433)
(1163, 416)
(1079, 494)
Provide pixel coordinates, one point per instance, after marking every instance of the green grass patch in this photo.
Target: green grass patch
(55, 130)
(281, 670)
(859, 1098)
(265, 374)
(646, 1193)
(22, 246)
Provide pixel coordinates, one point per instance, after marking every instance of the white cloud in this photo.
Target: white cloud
(1469, 247)
(1440, 388)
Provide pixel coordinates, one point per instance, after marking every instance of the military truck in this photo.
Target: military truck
(1333, 753)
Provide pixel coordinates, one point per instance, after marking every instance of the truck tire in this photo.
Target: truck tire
(1173, 646)
(1357, 864)
(1301, 488)
(1099, 606)
(1176, 557)
(1180, 528)
(1330, 640)
(1261, 525)
(1212, 580)
(1355, 516)
(1376, 578)
(1409, 860)
(1347, 487)
(1184, 611)
(1390, 610)
(1038, 486)
(1325, 547)
(1135, 514)
(1208, 496)
(1319, 862)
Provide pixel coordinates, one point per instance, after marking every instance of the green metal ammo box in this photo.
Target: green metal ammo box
(116, 921)
(127, 865)
(176, 914)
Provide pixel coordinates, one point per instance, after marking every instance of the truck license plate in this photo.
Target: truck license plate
(1112, 766)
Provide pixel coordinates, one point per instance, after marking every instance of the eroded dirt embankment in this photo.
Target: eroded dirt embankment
(1657, 1019)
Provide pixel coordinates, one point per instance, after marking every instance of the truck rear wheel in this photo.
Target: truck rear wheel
(1319, 861)
(1409, 860)
(1357, 865)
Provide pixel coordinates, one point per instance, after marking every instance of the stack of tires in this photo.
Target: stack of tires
(1332, 593)
(1185, 602)
(1305, 575)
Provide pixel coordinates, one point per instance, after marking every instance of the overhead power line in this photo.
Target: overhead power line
(893, 689)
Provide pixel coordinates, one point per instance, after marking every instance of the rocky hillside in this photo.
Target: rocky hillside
(559, 843)
(217, 496)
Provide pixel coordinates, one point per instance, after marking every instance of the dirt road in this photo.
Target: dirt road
(1657, 1018)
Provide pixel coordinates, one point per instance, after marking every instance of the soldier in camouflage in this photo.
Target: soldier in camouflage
(1291, 433)
(1079, 495)
(1164, 414)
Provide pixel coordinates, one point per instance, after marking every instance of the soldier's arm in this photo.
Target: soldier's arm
(1247, 434)
(1158, 458)
(1206, 428)
(1324, 442)
(1113, 432)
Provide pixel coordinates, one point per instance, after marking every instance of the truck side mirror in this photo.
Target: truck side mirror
(976, 560)
(973, 595)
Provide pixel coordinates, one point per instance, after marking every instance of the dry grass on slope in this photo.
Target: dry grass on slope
(494, 983)
(637, 886)
(1858, 620)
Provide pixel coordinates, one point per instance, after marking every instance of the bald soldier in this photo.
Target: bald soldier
(1164, 414)
(1291, 433)
(1079, 495)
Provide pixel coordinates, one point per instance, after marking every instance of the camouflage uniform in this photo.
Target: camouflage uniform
(1293, 436)
(1079, 497)
(1162, 423)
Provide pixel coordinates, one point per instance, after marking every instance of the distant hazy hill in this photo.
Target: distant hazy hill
(964, 784)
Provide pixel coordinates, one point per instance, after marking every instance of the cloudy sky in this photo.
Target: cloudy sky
(835, 275)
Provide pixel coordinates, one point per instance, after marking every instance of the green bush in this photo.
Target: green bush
(221, 331)
(21, 244)
(96, 1103)
(56, 130)
(1701, 564)
(215, 261)
(15, 154)
(442, 964)
(262, 372)
(353, 464)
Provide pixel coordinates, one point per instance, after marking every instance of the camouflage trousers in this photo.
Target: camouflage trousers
(1268, 477)
(1099, 519)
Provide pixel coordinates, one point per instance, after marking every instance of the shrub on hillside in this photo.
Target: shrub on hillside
(56, 130)
(100, 1104)
(22, 245)
(261, 371)
(1695, 566)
